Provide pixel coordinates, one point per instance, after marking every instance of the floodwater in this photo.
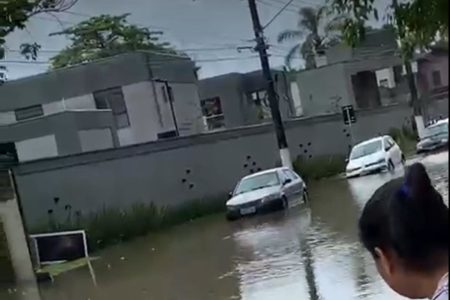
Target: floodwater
(309, 252)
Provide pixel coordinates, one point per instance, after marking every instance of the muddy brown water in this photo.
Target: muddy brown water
(309, 252)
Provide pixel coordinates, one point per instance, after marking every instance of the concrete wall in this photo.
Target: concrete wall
(37, 148)
(95, 139)
(321, 88)
(174, 171)
(436, 109)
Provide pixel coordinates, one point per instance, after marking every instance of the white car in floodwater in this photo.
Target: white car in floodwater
(374, 155)
(266, 191)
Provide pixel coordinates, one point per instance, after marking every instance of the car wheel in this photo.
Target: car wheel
(231, 217)
(391, 166)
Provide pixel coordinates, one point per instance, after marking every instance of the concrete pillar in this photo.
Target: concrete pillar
(16, 239)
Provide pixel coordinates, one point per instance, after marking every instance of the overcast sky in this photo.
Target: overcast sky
(188, 24)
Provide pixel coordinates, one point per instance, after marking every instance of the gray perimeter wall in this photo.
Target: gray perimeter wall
(175, 171)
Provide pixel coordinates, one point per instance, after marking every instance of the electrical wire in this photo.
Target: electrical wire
(278, 13)
(272, 5)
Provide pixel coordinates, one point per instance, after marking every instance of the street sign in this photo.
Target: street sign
(349, 114)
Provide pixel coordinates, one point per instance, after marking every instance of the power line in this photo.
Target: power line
(235, 47)
(277, 14)
(157, 26)
(275, 6)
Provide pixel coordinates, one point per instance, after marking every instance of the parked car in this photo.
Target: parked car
(266, 191)
(436, 137)
(375, 155)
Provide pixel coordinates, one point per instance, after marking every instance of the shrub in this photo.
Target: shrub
(113, 225)
(319, 167)
(405, 138)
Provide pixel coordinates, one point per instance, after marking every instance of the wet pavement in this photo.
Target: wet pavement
(309, 252)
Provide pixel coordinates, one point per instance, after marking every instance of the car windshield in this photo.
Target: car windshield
(257, 182)
(366, 149)
(437, 129)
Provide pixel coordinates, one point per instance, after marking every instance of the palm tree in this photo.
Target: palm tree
(318, 34)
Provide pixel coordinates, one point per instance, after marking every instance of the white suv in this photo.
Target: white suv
(375, 155)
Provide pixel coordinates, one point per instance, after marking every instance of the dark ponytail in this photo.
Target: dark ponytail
(409, 216)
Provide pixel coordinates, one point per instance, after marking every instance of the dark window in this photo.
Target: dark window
(437, 78)
(113, 99)
(8, 154)
(167, 134)
(29, 112)
(213, 113)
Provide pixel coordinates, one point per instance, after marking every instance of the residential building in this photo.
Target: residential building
(239, 99)
(119, 101)
(433, 82)
(367, 76)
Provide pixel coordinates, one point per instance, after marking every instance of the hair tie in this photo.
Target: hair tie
(404, 190)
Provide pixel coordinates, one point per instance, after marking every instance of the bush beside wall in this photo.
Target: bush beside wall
(319, 167)
(405, 138)
(114, 225)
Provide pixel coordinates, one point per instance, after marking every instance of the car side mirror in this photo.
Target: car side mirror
(347, 160)
(287, 181)
(230, 195)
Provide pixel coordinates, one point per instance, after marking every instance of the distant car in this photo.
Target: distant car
(266, 191)
(375, 155)
(436, 137)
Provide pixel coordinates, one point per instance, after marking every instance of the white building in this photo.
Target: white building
(123, 100)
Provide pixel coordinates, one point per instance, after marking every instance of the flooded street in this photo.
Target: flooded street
(305, 253)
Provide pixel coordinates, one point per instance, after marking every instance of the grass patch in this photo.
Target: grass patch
(112, 225)
(405, 138)
(319, 167)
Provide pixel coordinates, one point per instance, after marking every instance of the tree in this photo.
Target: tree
(15, 14)
(417, 23)
(105, 36)
(318, 32)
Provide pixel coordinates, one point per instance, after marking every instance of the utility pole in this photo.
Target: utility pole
(261, 47)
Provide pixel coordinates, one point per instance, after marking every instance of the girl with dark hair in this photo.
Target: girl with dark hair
(405, 227)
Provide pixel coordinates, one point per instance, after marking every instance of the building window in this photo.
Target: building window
(29, 112)
(167, 135)
(113, 99)
(213, 113)
(261, 101)
(437, 78)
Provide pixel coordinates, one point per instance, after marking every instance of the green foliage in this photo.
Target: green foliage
(105, 36)
(418, 23)
(319, 31)
(406, 139)
(319, 167)
(15, 14)
(114, 225)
